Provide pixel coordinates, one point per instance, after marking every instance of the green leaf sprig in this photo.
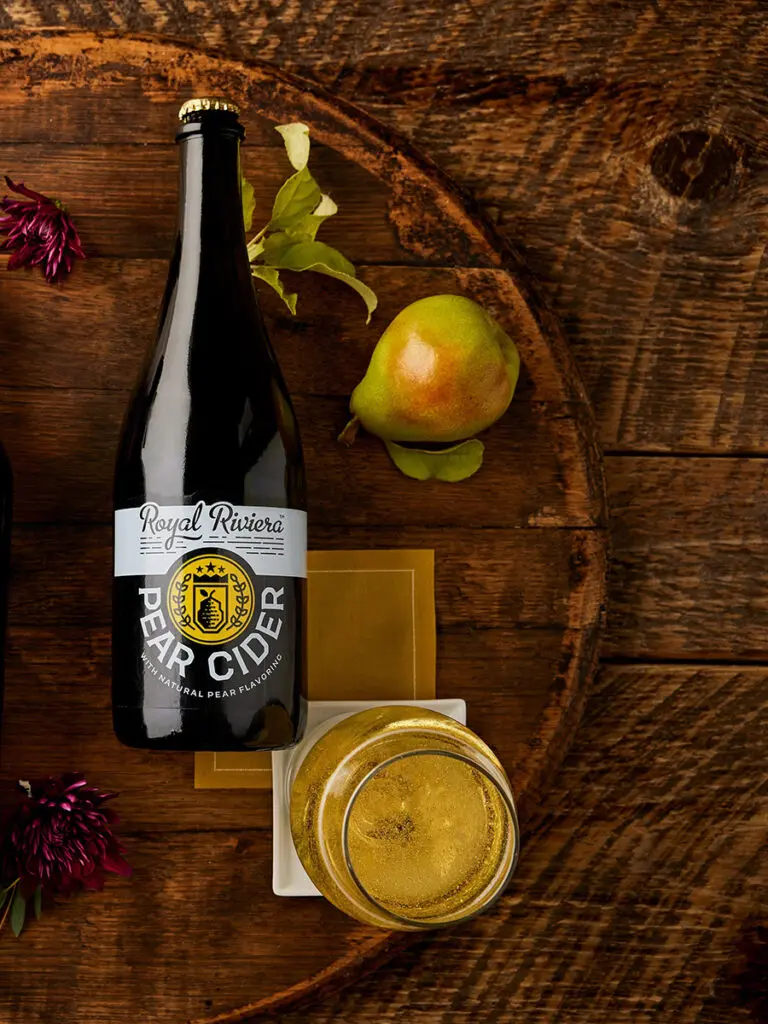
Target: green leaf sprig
(459, 462)
(13, 906)
(288, 241)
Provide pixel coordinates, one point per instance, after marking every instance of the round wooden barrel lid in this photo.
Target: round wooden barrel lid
(520, 549)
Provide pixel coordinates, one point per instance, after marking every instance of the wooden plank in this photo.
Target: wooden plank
(537, 576)
(664, 296)
(689, 558)
(118, 300)
(685, 579)
(57, 705)
(640, 870)
(324, 351)
(36, 674)
(431, 51)
(643, 869)
(667, 332)
(598, 942)
(178, 880)
(485, 578)
(141, 223)
(132, 114)
(63, 442)
(633, 365)
(58, 717)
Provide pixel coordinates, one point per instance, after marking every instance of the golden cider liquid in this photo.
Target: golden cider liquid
(404, 818)
(426, 834)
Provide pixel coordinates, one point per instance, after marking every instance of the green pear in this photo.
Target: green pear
(442, 371)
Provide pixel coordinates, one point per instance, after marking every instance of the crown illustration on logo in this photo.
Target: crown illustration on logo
(211, 577)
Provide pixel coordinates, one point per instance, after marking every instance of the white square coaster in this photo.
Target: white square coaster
(288, 875)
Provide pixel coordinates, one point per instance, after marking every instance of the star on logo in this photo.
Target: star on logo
(210, 567)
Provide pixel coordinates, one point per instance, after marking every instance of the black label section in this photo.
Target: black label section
(209, 635)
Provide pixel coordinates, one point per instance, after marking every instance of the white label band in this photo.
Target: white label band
(149, 539)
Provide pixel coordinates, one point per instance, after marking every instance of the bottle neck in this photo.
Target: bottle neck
(210, 320)
(211, 229)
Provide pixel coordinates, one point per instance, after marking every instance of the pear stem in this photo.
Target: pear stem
(348, 435)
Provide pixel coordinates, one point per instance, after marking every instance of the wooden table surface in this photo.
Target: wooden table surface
(622, 145)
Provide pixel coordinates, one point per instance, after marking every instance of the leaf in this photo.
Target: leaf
(298, 196)
(281, 252)
(18, 912)
(255, 248)
(298, 211)
(448, 464)
(271, 276)
(6, 897)
(274, 246)
(39, 902)
(306, 229)
(288, 254)
(296, 139)
(249, 202)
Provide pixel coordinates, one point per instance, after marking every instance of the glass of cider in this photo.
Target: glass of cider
(403, 818)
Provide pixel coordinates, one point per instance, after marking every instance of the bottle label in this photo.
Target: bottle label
(149, 539)
(213, 599)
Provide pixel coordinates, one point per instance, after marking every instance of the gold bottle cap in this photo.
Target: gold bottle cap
(207, 103)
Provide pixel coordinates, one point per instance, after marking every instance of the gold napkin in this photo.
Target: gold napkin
(371, 636)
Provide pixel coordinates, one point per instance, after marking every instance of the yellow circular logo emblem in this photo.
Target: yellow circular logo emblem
(210, 599)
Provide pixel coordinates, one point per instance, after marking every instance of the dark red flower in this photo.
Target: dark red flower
(60, 837)
(39, 232)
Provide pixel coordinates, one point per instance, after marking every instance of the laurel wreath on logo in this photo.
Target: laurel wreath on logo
(241, 597)
(180, 587)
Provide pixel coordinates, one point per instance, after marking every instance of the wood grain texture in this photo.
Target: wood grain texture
(556, 116)
(552, 116)
(643, 865)
(73, 436)
(690, 544)
(81, 399)
(521, 550)
(144, 227)
(656, 268)
(472, 583)
(129, 291)
(157, 790)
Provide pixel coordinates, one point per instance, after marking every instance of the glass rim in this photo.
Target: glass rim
(425, 923)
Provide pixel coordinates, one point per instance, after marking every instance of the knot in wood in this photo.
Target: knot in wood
(694, 164)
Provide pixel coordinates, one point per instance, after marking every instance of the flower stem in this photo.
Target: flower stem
(255, 248)
(9, 893)
(349, 433)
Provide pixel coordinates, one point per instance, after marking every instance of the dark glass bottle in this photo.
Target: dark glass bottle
(210, 532)
(6, 512)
